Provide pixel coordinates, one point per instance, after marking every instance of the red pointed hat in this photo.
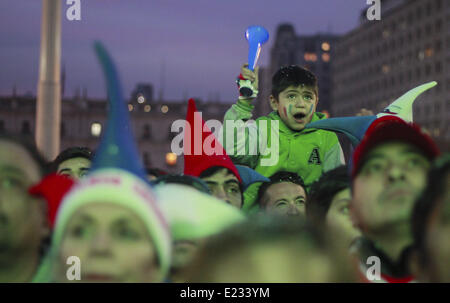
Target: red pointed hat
(195, 159)
(53, 188)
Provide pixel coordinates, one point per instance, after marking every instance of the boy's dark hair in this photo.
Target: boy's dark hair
(293, 75)
(214, 169)
(69, 153)
(30, 146)
(429, 199)
(322, 192)
(279, 177)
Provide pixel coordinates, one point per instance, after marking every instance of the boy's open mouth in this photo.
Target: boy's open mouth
(299, 117)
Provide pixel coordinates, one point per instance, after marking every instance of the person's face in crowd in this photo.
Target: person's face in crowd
(75, 168)
(338, 218)
(224, 185)
(112, 243)
(284, 198)
(296, 106)
(23, 222)
(437, 243)
(385, 189)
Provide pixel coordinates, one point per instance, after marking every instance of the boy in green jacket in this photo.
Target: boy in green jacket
(279, 141)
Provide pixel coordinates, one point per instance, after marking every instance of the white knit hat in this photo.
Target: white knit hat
(192, 214)
(119, 187)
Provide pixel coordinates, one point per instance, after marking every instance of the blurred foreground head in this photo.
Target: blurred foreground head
(23, 223)
(389, 172)
(431, 225)
(111, 223)
(265, 250)
(193, 216)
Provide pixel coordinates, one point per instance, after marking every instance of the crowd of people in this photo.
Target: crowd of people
(383, 217)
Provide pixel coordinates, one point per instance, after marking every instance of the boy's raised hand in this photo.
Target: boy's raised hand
(248, 83)
(250, 75)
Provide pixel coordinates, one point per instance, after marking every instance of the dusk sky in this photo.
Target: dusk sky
(200, 43)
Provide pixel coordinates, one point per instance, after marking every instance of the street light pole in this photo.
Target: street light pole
(48, 109)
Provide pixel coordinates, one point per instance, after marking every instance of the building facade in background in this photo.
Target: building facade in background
(378, 61)
(368, 67)
(83, 120)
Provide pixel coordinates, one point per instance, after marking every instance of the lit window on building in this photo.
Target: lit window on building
(325, 57)
(130, 107)
(140, 99)
(326, 46)
(429, 52)
(310, 57)
(164, 109)
(147, 108)
(171, 159)
(96, 129)
(386, 34)
(386, 68)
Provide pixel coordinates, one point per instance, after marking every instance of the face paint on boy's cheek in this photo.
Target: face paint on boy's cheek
(284, 111)
(287, 111)
(310, 110)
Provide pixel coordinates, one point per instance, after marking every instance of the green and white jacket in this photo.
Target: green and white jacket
(269, 146)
